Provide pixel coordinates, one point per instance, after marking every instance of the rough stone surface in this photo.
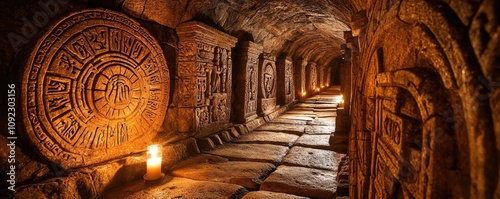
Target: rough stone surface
(246, 78)
(178, 188)
(313, 129)
(288, 121)
(325, 121)
(268, 137)
(204, 79)
(252, 152)
(285, 128)
(217, 169)
(312, 158)
(302, 181)
(270, 195)
(66, 129)
(314, 141)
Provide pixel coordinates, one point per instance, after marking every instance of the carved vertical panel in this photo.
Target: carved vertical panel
(267, 84)
(285, 81)
(246, 78)
(300, 77)
(311, 77)
(397, 152)
(205, 77)
(91, 91)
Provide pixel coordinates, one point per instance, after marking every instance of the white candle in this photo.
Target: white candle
(153, 163)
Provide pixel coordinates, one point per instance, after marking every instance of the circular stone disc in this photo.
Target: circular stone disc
(95, 87)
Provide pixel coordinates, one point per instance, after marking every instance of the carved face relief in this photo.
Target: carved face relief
(92, 91)
(269, 79)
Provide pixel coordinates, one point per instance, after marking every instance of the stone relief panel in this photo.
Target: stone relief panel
(267, 84)
(397, 145)
(311, 77)
(205, 77)
(285, 81)
(246, 78)
(90, 92)
(300, 77)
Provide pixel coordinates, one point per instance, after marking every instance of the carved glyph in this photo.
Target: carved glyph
(91, 91)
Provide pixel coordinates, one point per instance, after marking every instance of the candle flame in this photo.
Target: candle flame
(154, 150)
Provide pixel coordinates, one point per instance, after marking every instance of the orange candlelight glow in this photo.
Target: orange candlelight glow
(153, 163)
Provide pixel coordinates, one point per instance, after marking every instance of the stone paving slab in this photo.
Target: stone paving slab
(326, 110)
(252, 152)
(268, 137)
(271, 195)
(325, 114)
(213, 168)
(306, 105)
(314, 141)
(301, 181)
(295, 116)
(288, 121)
(314, 129)
(285, 128)
(300, 111)
(324, 121)
(312, 158)
(321, 106)
(178, 188)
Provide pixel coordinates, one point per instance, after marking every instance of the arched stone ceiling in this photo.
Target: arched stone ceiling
(311, 29)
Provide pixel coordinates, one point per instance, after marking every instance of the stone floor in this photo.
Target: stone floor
(288, 157)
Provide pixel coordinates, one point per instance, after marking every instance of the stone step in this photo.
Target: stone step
(252, 152)
(213, 168)
(312, 158)
(178, 188)
(301, 181)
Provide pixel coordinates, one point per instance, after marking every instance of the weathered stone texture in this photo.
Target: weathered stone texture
(252, 152)
(91, 80)
(217, 169)
(268, 81)
(246, 78)
(301, 181)
(285, 80)
(204, 86)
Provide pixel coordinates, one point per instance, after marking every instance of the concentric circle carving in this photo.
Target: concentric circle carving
(95, 87)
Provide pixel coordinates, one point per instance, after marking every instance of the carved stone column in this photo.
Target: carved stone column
(266, 102)
(285, 80)
(300, 78)
(204, 71)
(311, 78)
(246, 78)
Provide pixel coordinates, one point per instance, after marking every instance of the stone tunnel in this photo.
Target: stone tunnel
(250, 99)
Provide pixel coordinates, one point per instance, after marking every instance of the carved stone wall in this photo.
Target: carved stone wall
(285, 80)
(92, 93)
(268, 82)
(204, 82)
(425, 127)
(246, 79)
(300, 77)
(311, 77)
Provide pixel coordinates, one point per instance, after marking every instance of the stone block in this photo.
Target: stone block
(205, 71)
(246, 78)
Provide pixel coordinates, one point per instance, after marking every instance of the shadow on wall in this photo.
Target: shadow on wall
(335, 74)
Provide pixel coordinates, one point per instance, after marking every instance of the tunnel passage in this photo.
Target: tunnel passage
(97, 81)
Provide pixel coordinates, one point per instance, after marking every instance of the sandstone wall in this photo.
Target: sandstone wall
(424, 113)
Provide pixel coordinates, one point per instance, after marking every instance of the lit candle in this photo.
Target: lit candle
(153, 163)
(303, 93)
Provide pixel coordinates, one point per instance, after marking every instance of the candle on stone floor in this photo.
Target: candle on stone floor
(153, 163)
(303, 93)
